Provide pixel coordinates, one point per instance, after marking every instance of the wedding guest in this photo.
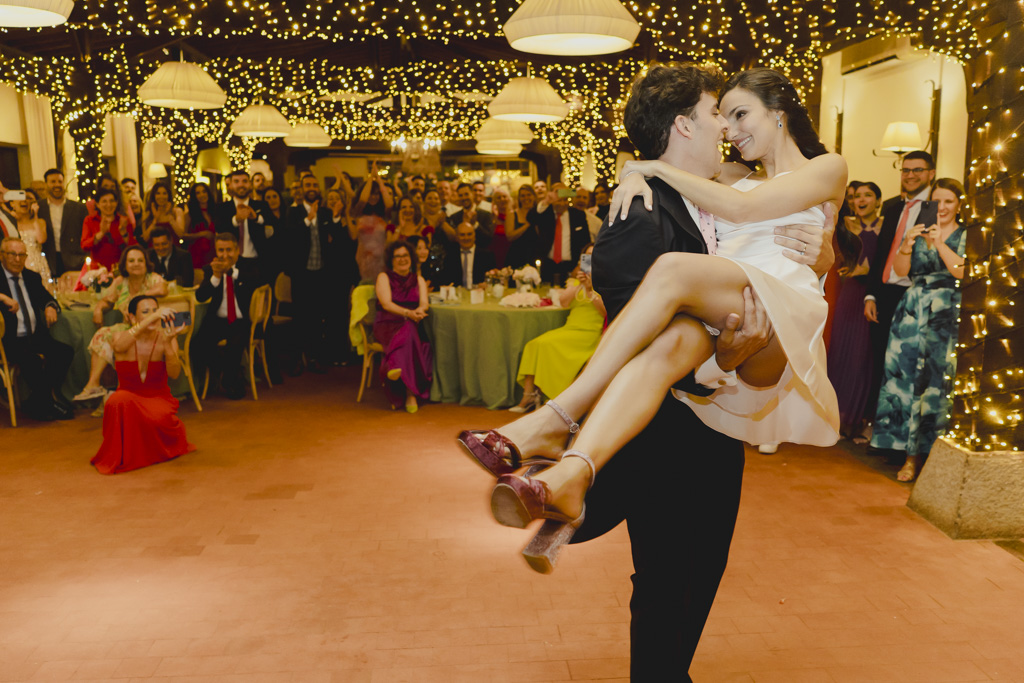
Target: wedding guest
(33, 233)
(259, 185)
(849, 355)
(140, 419)
(107, 182)
(64, 219)
(467, 266)
(562, 234)
(198, 223)
(106, 234)
(295, 193)
(368, 226)
(129, 187)
(602, 199)
(170, 262)
(434, 214)
(551, 361)
(8, 225)
(401, 305)
(482, 220)
(410, 222)
(428, 268)
(480, 197)
(137, 277)
(276, 218)
(228, 284)
(914, 401)
(540, 188)
(448, 197)
(243, 217)
(524, 249)
(582, 202)
(417, 183)
(29, 311)
(158, 211)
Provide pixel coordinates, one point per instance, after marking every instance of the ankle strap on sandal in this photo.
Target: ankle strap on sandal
(585, 458)
(573, 426)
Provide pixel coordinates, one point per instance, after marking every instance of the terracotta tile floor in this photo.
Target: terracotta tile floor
(314, 539)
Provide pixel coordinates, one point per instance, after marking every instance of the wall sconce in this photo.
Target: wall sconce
(900, 138)
(157, 170)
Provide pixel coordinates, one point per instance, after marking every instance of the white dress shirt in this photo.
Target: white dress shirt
(248, 248)
(467, 265)
(56, 220)
(26, 319)
(222, 312)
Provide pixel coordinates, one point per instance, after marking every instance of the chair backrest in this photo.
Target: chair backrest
(259, 309)
(184, 302)
(3, 355)
(197, 276)
(283, 289)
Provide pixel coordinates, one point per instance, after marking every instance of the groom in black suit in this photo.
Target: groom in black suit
(677, 484)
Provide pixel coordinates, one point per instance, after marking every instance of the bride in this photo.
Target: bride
(33, 232)
(664, 331)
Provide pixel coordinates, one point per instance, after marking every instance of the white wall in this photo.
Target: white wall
(12, 123)
(894, 91)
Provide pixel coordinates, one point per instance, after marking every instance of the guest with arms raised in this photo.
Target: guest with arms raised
(140, 419)
(106, 234)
(29, 311)
(401, 307)
(64, 219)
(199, 224)
(137, 277)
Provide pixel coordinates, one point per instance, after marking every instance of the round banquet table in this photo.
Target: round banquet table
(477, 348)
(75, 328)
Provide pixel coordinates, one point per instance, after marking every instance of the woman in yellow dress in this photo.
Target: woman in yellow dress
(551, 361)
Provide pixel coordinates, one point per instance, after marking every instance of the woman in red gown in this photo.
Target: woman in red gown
(140, 419)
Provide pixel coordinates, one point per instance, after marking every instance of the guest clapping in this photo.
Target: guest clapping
(562, 234)
(198, 223)
(136, 277)
(401, 305)
(158, 211)
(410, 222)
(106, 234)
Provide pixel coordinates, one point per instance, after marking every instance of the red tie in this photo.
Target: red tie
(557, 253)
(229, 292)
(897, 240)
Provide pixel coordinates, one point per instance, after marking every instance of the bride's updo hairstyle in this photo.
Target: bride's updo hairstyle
(778, 94)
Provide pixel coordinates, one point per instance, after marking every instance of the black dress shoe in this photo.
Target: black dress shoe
(62, 412)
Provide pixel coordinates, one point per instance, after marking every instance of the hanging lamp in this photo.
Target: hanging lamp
(34, 13)
(495, 130)
(528, 100)
(499, 148)
(307, 134)
(571, 27)
(181, 85)
(261, 121)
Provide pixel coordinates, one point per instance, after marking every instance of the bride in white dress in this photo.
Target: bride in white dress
(33, 234)
(663, 331)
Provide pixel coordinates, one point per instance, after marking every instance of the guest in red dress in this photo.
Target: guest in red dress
(199, 225)
(107, 233)
(140, 419)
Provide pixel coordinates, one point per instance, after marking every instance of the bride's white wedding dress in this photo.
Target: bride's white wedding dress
(802, 407)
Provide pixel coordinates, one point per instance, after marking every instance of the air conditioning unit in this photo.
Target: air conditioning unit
(877, 50)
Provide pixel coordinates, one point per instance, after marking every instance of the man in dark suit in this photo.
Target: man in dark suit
(884, 287)
(244, 218)
(480, 219)
(64, 218)
(29, 311)
(310, 230)
(679, 501)
(564, 232)
(228, 283)
(170, 262)
(467, 265)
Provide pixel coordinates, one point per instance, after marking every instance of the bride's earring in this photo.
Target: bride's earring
(779, 120)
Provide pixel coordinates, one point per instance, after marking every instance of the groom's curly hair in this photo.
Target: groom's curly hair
(659, 95)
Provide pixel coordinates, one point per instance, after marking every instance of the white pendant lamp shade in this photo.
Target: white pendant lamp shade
(307, 134)
(181, 85)
(499, 148)
(528, 100)
(157, 170)
(493, 130)
(571, 27)
(33, 13)
(261, 121)
(901, 137)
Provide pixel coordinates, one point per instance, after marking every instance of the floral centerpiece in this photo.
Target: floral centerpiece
(94, 279)
(526, 278)
(497, 279)
(521, 300)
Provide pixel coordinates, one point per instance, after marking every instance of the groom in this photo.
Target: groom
(677, 484)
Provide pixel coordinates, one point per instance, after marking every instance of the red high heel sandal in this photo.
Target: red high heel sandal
(516, 501)
(488, 448)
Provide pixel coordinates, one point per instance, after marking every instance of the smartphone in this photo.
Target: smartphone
(929, 215)
(182, 319)
(566, 193)
(585, 261)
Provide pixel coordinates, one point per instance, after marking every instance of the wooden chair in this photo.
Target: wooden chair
(283, 294)
(185, 303)
(259, 314)
(197, 276)
(7, 375)
(372, 348)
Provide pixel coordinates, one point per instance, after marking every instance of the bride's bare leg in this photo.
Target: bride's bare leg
(706, 288)
(627, 406)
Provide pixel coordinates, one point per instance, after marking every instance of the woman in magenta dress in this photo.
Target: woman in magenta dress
(849, 354)
(140, 420)
(402, 304)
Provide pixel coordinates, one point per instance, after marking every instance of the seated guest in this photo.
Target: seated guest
(105, 234)
(467, 265)
(562, 234)
(170, 262)
(401, 306)
(29, 311)
(137, 277)
(428, 267)
(481, 220)
(140, 419)
(551, 361)
(228, 283)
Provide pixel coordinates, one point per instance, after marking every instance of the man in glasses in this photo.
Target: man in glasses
(884, 287)
(28, 311)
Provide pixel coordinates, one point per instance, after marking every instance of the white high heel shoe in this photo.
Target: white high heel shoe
(533, 402)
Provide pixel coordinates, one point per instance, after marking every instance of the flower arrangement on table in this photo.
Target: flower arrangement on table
(521, 300)
(498, 275)
(94, 279)
(527, 275)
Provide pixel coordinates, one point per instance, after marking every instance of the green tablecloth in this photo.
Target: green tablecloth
(75, 328)
(477, 349)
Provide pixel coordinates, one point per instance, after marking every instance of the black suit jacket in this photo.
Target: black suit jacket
(222, 220)
(179, 268)
(71, 253)
(627, 248)
(299, 238)
(579, 235)
(886, 295)
(244, 285)
(484, 227)
(39, 298)
(483, 261)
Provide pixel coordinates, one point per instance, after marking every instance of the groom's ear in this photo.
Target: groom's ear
(683, 125)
